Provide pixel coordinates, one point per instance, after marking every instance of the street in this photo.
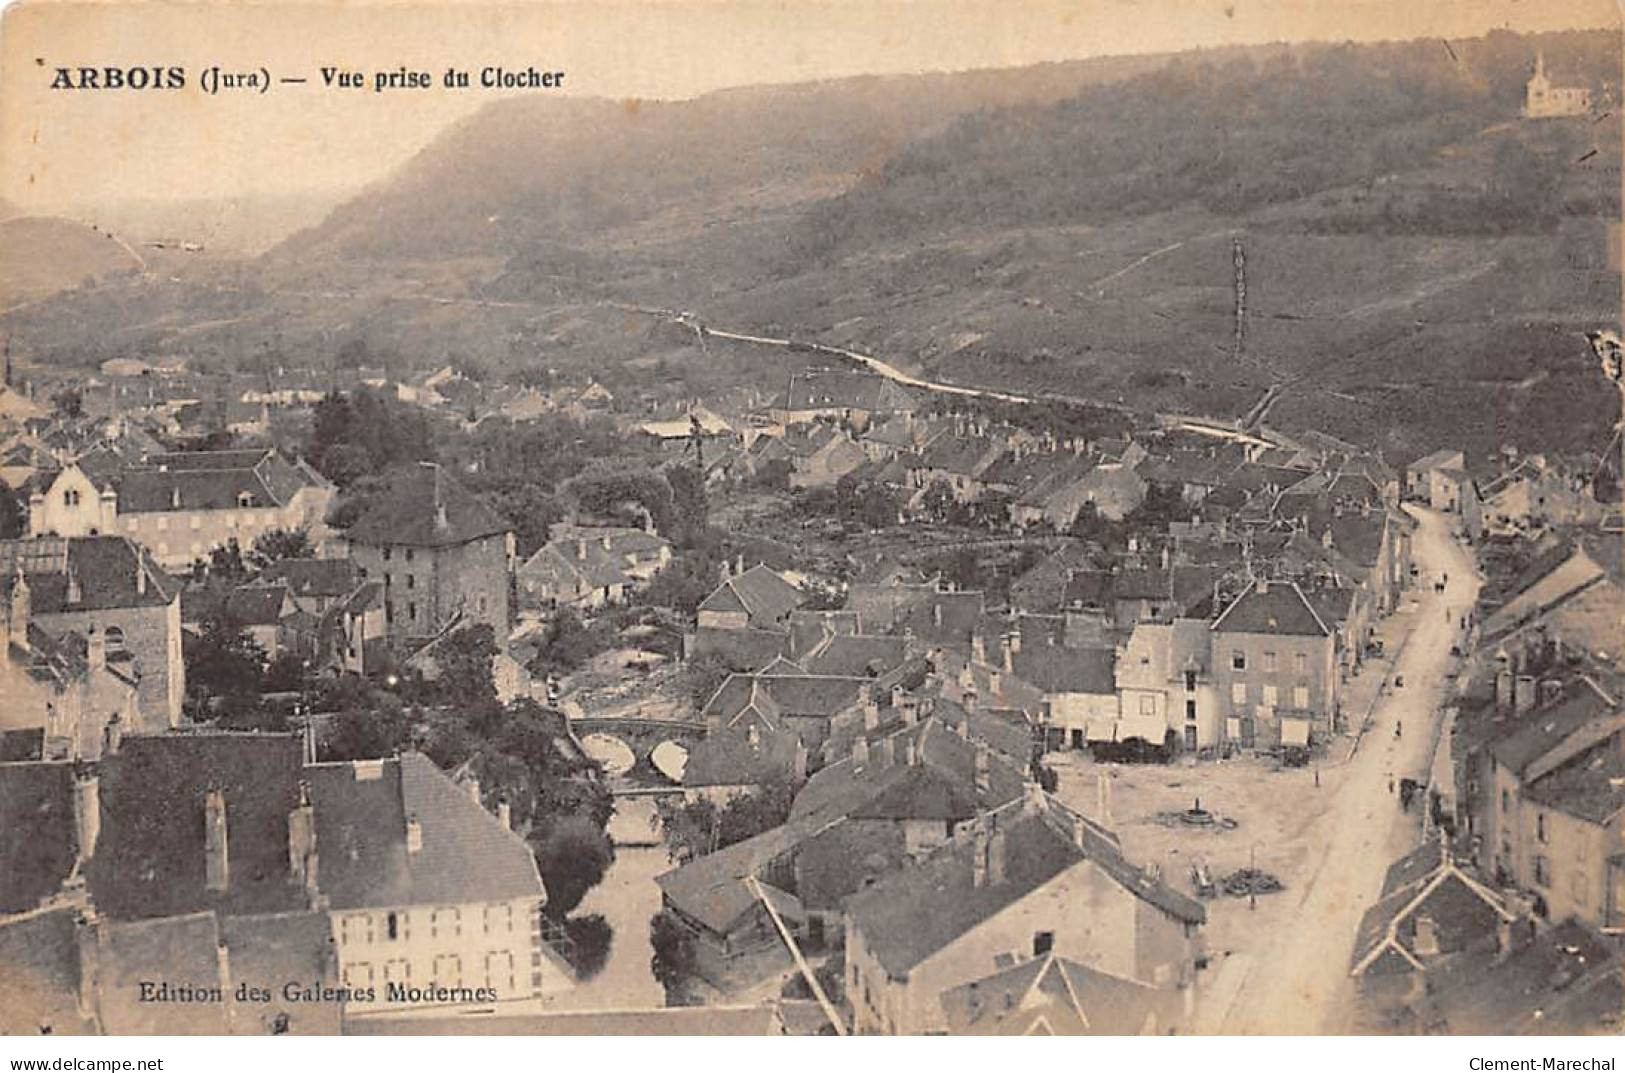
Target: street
(1298, 982)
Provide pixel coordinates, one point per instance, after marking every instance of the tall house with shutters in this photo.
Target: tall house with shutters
(435, 904)
(440, 553)
(1274, 668)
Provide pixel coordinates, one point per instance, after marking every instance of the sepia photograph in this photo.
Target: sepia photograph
(812, 518)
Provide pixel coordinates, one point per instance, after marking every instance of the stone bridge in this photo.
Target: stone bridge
(638, 736)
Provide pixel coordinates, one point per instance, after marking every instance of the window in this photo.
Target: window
(397, 971)
(1271, 697)
(411, 581)
(1506, 801)
(389, 610)
(245, 499)
(412, 611)
(70, 498)
(1300, 696)
(1190, 711)
(1300, 662)
(448, 970)
(1148, 704)
(392, 926)
(1238, 660)
(358, 975)
(499, 972)
(408, 554)
(1190, 681)
(386, 555)
(1543, 875)
(1269, 661)
(115, 638)
(1540, 827)
(1238, 693)
(1043, 943)
(163, 524)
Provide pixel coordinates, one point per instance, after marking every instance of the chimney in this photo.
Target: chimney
(222, 966)
(1015, 639)
(978, 856)
(995, 858)
(472, 785)
(1165, 556)
(1523, 696)
(1503, 690)
(984, 774)
(95, 648)
(799, 763)
(1427, 937)
(581, 549)
(1263, 586)
(505, 813)
(75, 593)
(87, 813)
(885, 753)
(302, 839)
(175, 499)
(936, 615)
(910, 709)
(414, 835)
(1009, 654)
(20, 609)
(871, 712)
(140, 575)
(1503, 939)
(860, 752)
(216, 873)
(978, 648)
(1326, 539)
(911, 754)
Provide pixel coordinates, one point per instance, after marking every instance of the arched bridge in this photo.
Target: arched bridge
(639, 736)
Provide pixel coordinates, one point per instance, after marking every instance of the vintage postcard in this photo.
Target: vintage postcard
(727, 517)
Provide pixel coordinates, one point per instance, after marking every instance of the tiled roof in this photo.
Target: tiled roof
(150, 856)
(909, 916)
(212, 480)
(467, 855)
(39, 990)
(184, 948)
(1054, 669)
(1544, 729)
(38, 833)
(711, 889)
(426, 508)
(1060, 997)
(759, 592)
(256, 605)
(106, 570)
(1277, 608)
(323, 578)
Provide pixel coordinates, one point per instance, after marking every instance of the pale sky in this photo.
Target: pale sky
(60, 147)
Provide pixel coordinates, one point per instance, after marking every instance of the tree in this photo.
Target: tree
(673, 963)
(573, 857)
(705, 674)
(69, 402)
(463, 660)
(591, 938)
(225, 668)
(226, 562)
(274, 545)
(698, 827)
